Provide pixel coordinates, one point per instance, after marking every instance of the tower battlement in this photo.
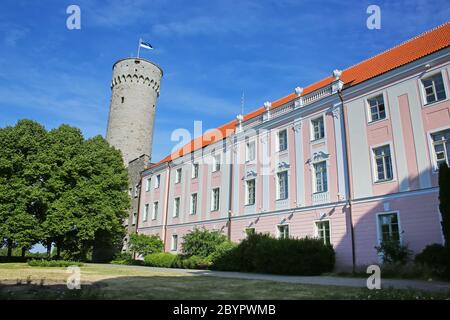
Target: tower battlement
(135, 88)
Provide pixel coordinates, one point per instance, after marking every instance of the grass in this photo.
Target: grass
(21, 281)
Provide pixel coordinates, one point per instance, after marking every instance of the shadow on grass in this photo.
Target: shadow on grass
(198, 288)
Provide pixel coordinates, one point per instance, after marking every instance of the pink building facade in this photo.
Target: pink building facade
(351, 160)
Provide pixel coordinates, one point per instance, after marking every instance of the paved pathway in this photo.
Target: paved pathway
(432, 286)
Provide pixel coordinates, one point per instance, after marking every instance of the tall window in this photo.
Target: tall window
(145, 216)
(320, 177)
(147, 184)
(383, 163)
(282, 140)
(282, 178)
(136, 191)
(176, 207)
(318, 128)
(250, 192)
(376, 108)
(194, 170)
(283, 231)
(251, 151)
(215, 199)
(441, 147)
(157, 181)
(174, 246)
(389, 228)
(178, 175)
(216, 163)
(323, 231)
(193, 203)
(155, 210)
(434, 88)
(133, 221)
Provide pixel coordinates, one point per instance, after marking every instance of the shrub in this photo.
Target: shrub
(162, 260)
(437, 258)
(202, 242)
(143, 244)
(266, 254)
(221, 250)
(393, 252)
(123, 258)
(53, 263)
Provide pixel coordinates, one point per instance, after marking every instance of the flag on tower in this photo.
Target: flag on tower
(145, 45)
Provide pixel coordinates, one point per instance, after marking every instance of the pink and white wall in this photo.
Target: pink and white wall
(353, 198)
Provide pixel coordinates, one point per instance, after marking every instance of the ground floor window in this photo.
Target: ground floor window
(388, 227)
(323, 231)
(283, 231)
(174, 246)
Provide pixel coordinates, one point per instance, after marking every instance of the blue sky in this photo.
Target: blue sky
(210, 52)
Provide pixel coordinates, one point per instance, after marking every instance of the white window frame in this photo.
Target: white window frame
(311, 126)
(155, 209)
(379, 233)
(216, 163)
(326, 177)
(174, 244)
(250, 156)
(193, 209)
(134, 218)
(176, 208)
(285, 131)
(374, 163)
(247, 192)
(146, 209)
(431, 147)
(213, 207)
(430, 74)
(195, 168)
(278, 185)
(279, 233)
(148, 183)
(370, 120)
(316, 229)
(158, 181)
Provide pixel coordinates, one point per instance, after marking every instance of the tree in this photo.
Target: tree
(202, 242)
(444, 200)
(143, 244)
(56, 187)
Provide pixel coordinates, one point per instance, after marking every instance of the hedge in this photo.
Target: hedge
(263, 253)
(162, 260)
(53, 263)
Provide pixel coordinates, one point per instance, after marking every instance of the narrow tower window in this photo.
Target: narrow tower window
(123, 99)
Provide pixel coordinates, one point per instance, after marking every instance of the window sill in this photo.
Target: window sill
(320, 192)
(317, 141)
(377, 121)
(384, 181)
(282, 199)
(430, 104)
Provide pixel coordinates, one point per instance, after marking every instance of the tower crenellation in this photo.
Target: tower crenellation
(135, 88)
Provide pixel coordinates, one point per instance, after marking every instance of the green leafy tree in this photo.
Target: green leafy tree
(202, 242)
(444, 200)
(22, 200)
(143, 244)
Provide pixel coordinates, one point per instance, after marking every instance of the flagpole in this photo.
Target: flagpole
(139, 47)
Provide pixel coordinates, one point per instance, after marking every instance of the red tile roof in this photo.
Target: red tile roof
(404, 53)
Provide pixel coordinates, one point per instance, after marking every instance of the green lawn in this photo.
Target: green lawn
(20, 281)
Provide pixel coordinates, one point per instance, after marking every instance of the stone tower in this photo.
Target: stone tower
(135, 88)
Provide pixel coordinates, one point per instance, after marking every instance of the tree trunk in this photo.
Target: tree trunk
(24, 250)
(58, 250)
(49, 248)
(9, 248)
